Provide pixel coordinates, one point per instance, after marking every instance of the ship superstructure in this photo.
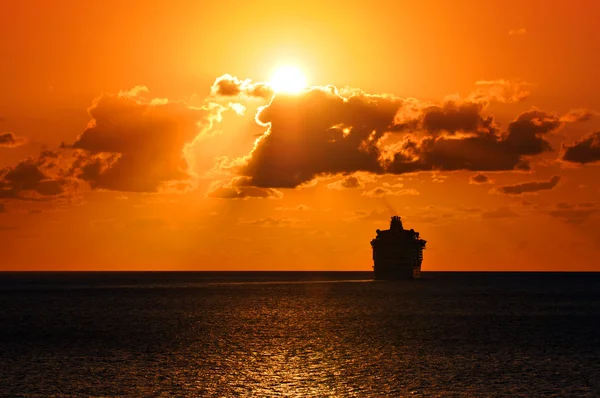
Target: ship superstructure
(397, 252)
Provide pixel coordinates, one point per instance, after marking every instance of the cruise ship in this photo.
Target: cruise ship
(397, 252)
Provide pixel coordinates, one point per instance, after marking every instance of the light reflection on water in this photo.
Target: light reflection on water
(469, 336)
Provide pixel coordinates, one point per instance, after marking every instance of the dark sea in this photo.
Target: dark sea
(271, 334)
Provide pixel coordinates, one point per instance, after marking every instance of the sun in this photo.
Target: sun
(288, 79)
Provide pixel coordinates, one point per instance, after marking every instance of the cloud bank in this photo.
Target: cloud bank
(529, 187)
(9, 140)
(325, 131)
(138, 144)
(586, 150)
(479, 179)
(135, 144)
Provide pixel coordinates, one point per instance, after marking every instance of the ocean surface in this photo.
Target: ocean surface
(299, 334)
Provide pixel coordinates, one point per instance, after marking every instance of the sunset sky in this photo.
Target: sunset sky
(276, 135)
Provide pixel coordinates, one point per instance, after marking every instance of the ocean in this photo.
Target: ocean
(271, 334)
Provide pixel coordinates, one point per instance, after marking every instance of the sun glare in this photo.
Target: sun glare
(288, 79)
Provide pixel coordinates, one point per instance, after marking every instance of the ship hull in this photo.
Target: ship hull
(393, 261)
(395, 270)
(397, 253)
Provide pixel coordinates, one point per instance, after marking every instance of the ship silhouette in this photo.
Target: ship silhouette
(397, 252)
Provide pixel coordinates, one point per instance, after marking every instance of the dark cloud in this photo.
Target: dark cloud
(485, 152)
(484, 149)
(10, 140)
(525, 133)
(240, 188)
(133, 144)
(348, 182)
(479, 179)
(586, 150)
(324, 131)
(578, 115)
(451, 117)
(529, 187)
(318, 132)
(35, 178)
(230, 86)
(137, 144)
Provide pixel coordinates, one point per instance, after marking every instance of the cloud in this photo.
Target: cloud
(451, 117)
(517, 32)
(132, 143)
(318, 132)
(564, 205)
(397, 184)
(525, 133)
(348, 182)
(135, 144)
(586, 150)
(10, 140)
(501, 212)
(575, 216)
(39, 178)
(484, 149)
(325, 131)
(239, 188)
(382, 191)
(485, 152)
(529, 187)
(501, 90)
(272, 222)
(133, 92)
(479, 179)
(230, 86)
(574, 213)
(578, 115)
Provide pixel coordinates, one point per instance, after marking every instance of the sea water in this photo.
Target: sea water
(299, 334)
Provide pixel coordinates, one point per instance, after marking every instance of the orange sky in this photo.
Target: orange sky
(123, 144)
